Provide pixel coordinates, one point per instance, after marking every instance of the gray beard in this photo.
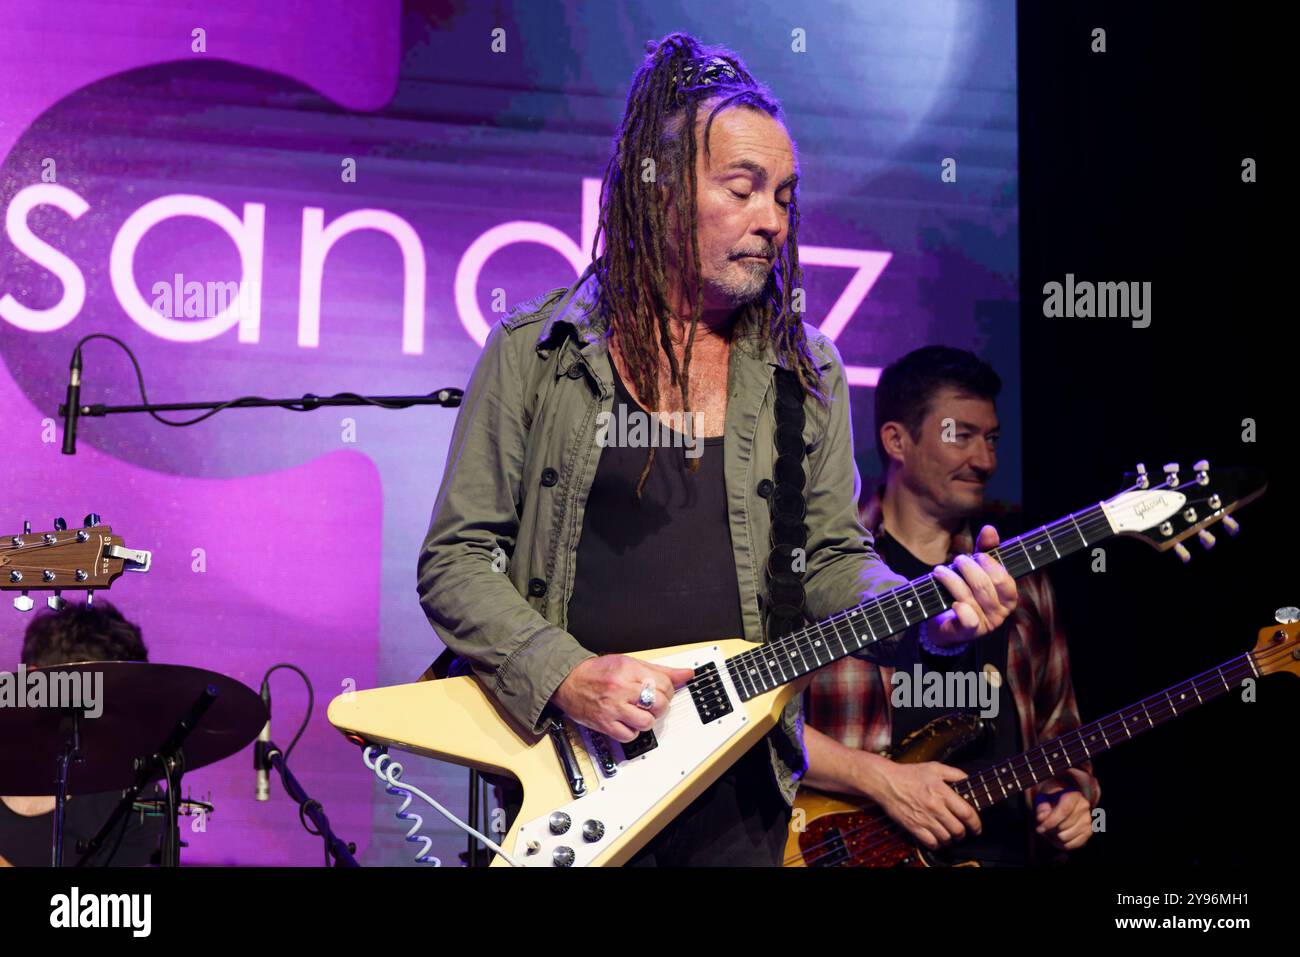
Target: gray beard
(743, 289)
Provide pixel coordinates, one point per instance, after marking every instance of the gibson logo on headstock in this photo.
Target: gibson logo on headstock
(1141, 508)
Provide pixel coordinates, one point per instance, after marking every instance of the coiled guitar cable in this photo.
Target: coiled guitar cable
(389, 773)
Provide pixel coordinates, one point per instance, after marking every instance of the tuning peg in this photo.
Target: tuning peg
(24, 603)
(1171, 474)
(56, 601)
(1206, 539)
(1143, 481)
(1231, 525)
(1287, 616)
(91, 520)
(60, 524)
(90, 598)
(1202, 470)
(1181, 551)
(27, 528)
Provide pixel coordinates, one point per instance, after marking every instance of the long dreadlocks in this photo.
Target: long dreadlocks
(677, 77)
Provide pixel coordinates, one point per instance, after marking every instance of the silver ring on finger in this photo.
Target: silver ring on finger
(647, 698)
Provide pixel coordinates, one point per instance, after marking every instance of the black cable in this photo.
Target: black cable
(311, 701)
(310, 402)
(310, 802)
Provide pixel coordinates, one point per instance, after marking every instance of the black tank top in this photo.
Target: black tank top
(1005, 838)
(659, 570)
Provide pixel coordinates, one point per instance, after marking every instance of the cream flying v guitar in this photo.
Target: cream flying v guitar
(589, 800)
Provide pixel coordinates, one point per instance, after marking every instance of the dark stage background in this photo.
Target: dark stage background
(1131, 169)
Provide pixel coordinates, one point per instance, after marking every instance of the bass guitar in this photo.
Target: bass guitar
(839, 831)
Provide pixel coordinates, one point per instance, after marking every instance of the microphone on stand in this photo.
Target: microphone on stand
(262, 748)
(72, 408)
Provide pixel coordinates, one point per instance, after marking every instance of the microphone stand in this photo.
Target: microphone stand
(340, 851)
(170, 761)
(71, 410)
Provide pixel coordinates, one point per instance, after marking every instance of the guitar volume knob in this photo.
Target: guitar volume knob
(559, 822)
(562, 857)
(593, 831)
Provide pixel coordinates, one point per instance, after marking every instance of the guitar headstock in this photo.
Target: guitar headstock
(1278, 648)
(89, 558)
(1165, 514)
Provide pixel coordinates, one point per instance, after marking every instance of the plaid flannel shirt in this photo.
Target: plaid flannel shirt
(849, 700)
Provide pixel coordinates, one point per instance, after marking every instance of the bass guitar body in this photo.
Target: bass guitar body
(834, 830)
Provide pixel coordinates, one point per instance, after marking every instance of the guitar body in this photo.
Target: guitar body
(842, 831)
(632, 795)
(591, 801)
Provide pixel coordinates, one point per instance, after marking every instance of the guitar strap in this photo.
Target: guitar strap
(784, 610)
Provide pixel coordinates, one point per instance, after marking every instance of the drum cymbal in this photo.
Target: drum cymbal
(136, 704)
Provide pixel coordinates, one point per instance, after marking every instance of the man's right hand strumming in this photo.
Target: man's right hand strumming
(604, 693)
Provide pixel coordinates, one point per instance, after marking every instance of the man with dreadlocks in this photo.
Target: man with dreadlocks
(558, 544)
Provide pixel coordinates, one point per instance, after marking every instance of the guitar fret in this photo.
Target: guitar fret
(738, 678)
(1078, 531)
(796, 648)
(835, 630)
(1050, 542)
(866, 618)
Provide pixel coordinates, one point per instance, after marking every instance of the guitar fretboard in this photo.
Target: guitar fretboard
(759, 670)
(1001, 781)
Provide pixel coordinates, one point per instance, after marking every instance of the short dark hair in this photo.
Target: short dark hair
(78, 632)
(908, 385)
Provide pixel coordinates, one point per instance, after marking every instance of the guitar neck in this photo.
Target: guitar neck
(759, 670)
(1000, 781)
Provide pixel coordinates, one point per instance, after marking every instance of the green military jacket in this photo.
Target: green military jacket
(497, 567)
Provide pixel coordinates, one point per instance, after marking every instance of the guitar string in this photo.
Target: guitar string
(1237, 667)
(789, 646)
(1243, 666)
(1076, 756)
(1096, 521)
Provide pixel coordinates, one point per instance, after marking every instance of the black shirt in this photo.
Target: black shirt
(659, 570)
(1004, 840)
(26, 841)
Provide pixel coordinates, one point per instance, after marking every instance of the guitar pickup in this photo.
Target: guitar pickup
(710, 694)
(643, 742)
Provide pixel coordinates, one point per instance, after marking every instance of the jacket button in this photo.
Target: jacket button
(575, 371)
(550, 476)
(765, 488)
(536, 587)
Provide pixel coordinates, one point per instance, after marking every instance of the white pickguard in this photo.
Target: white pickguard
(619, 800)
(1140, 509)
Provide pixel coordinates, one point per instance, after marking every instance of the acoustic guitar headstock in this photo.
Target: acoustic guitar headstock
(90, 558)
